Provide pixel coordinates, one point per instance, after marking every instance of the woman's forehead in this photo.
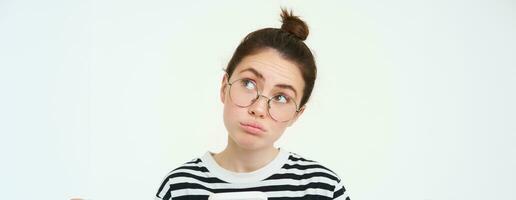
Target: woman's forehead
(273, 73)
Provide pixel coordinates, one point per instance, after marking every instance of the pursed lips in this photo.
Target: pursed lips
(252, 127)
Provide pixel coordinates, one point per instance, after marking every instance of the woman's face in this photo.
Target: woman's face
(252, 127)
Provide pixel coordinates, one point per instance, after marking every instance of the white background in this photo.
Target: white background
(414, 99)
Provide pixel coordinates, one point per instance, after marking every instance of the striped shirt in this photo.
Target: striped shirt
(288, 176)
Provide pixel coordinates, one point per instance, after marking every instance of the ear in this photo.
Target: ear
(223, 87)
(298, 114)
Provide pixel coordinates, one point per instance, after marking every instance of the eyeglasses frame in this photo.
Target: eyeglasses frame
(258, 95)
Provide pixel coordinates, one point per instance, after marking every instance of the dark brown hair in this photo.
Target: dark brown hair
(288, 41)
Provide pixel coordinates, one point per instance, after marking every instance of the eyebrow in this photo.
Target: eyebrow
(260, 76)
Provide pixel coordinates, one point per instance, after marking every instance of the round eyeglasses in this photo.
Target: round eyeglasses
(244, 92)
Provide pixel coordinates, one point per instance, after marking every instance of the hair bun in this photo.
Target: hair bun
(293, 25)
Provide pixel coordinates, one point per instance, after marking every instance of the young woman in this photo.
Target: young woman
(265, 88)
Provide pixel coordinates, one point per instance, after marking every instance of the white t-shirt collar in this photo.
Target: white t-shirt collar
(245, 177)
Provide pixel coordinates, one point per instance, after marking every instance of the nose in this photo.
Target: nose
(259, 108)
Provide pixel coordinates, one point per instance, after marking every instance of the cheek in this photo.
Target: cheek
(278, 130)
(232, 114)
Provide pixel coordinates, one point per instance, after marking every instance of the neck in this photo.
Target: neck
(237, 159)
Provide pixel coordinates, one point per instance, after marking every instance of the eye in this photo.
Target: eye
(281, 98)
(249, 84)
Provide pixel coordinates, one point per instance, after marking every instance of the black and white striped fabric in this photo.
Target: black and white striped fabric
(288, 176)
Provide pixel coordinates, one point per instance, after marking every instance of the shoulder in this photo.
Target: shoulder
(307, 168)
(193, 165)
(308, 165)
(186, 174)
(192, 169)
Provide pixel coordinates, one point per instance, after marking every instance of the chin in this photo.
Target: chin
(247, 143)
